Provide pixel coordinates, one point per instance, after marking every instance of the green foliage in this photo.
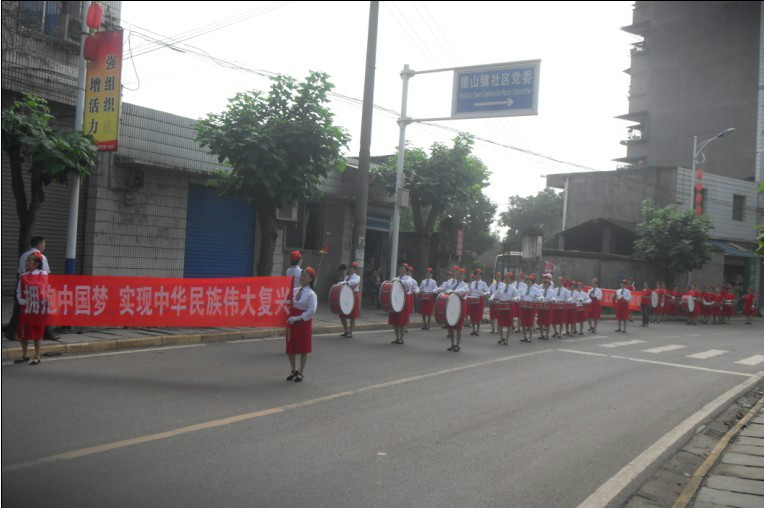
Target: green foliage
(279, 146)
(529, 215)
(675, 241)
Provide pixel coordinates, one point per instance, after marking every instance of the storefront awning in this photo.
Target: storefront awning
(732, 249)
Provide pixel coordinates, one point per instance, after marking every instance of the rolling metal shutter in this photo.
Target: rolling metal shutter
(220, 233)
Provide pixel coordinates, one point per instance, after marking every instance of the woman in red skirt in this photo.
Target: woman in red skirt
(28, 329)
(749, 306)
(621, 303)
(595, 295)
(427, 289)
(728, 304)
(299, 339)
(354, 281)
(400, 320)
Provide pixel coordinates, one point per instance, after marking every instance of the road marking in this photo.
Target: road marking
(595, 337)
(126, 352)
(265, 339)
(84, 452)
(753, 360)
(611, 488)
(663, 349)
(619, 344)
(708, 354)
(654, 362)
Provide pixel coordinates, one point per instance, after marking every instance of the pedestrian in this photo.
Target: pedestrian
(749, 306)
(354, 281)
(476, 298)
(299, 339)
(622, 299)
(459, 288)
(427, 299)
(28, 329)
(646, 303)
(37, 245)
(595, 295)
(294, 270)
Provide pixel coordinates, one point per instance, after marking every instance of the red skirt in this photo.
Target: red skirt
(29, 332)
(717, 310)
(748, 310)
(476, 311)
(410, 303)
(708, 310)
(526, 317)
(558, 316)
(596, 309)
(427, 306)
(299, 339)
(399, 318)
(728, 311)
(622, 310)
(356, 308)
(505, 317)
(545, 317)
(460, 324)
(570, 316)
(580, 314)
(492, 314)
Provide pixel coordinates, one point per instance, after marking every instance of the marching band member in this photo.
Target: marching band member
(728, 304)
(622, 299)
(570, 310)
(579, 296)
(561, 295)
(427, 287)
(708, 304)
(497, 284)
(718, 304)
(749, 306)
(299, 337)
(508, 296)
(528, 296)
(696, 296)
(478, 292)
(646, 303)
(545, 307)
(354, 281)
(411, 290)
(294, 270)
(448, 283)
(595, 295)
(672, 305)
(399, 320)
(458, 288)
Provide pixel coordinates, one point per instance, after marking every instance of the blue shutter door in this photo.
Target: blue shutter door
(220, 232)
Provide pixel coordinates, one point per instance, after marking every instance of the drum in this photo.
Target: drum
(392, 296)
(341, 299)
(547, 305)
(500, 306)
(688, 304)
(558, 305)
(655, 300)
(448, 309)
(729, 304)
(425, 297)
(527, 305)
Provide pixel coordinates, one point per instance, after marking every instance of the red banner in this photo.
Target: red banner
(608, 297)
(81, 300)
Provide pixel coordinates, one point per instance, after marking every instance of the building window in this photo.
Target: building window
(738, 206)
(56, 19)
(306, 233)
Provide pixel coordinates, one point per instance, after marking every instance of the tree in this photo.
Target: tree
(675, 241)
(530, 215)
(279, 148)
(439, 184)
(51, 156)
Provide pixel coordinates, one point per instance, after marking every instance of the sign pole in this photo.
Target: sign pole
(403, 121)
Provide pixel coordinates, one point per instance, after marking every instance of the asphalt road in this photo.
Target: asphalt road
(373, 425)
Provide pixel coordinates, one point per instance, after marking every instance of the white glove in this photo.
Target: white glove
(292, 320)
(517, 298)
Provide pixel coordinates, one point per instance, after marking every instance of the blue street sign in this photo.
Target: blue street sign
(509, 89)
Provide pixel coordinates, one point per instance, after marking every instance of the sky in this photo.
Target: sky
(582, 50)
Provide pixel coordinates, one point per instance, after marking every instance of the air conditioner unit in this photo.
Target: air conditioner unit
(287, 213)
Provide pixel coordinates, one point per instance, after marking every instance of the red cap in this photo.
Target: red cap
(461, 270)
(411, 268)
(311, 271)
(429, 270)
(295, 255)
(354, 264)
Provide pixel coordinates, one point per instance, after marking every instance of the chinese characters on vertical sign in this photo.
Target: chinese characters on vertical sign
(102, 91)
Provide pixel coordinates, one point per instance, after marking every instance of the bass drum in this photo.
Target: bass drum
(688, 304)
(341, 299)
(392, 296)
(655, 299)
(448, 309)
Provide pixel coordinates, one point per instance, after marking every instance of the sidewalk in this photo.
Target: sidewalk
(90, 340)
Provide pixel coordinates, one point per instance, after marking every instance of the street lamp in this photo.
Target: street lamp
(699, 158)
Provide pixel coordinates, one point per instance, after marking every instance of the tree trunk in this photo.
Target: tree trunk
(424, 252)
(268, 237)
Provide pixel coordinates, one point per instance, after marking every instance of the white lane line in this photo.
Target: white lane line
(663, 349)
(752, 360)
(84, 452)
(126, 352)
(708, 354)
(619, 344)
(611, 488)
(666, 364)
(595, 337)
(265, 339)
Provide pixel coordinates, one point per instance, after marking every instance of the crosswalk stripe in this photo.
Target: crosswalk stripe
(753, 360)
(619, 344)
(707, 354)
(663, 349)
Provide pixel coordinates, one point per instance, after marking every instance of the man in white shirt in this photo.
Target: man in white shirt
(37, 244)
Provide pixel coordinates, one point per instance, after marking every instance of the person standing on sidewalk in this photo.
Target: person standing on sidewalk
(299, 339)
(28, 330)
(646, 303)
(749, 306)
(595, 295)
(622, 299)
(37, 245)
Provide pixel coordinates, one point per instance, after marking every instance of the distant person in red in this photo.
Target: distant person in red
(595, 295)
(728, 304)
(621, 302)
(299, 339)
(709, 296)
(28, 329)
(646, 303)
(749, 306)
(697, 298)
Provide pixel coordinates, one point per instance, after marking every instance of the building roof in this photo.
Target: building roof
(630, 227)
(732, 249)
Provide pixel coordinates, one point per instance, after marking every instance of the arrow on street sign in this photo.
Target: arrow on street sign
(508, 89)
(507, 103)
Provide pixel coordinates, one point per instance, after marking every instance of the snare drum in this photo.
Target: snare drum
(448, 310)
(426, 304)
(341, 299)
(392, 296)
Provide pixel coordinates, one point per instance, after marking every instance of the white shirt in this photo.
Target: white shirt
(446, 285)
(478, 288)
(305, 299)
(428, 286)
(561, 294)
(547, 294)
(354, 281)
(296, 272)
(409, 284)
(595, 294)
(505, 293)
(521, 286)
(624, 294)
(23, 261)
(578, 296)
(459, 288)
(493, 287)
(529, 294)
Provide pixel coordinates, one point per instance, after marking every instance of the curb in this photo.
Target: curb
(175, 340)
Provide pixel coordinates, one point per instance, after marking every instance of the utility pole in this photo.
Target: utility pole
(74, 181)
(362, 196)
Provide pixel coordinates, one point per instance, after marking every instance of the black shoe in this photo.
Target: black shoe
(51, 336)
(618, 330)
(344, 334)
(500, 341)
(292, 375)
(23, 359)
(34, 362)
(623, 331)
(298, 378)
(451, 348)
(457, 349)
(395, 342)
